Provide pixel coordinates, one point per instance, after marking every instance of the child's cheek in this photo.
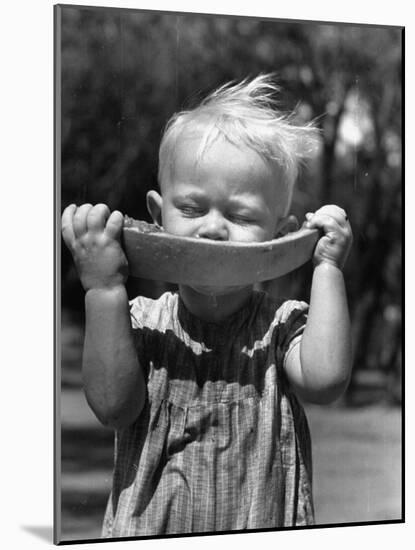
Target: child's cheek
(175, 223)
(251, 234)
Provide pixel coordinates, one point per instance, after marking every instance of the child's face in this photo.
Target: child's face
(230, 194)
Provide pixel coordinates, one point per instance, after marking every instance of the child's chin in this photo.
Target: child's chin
(217, 290)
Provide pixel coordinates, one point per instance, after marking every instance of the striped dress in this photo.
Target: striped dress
(222, 444)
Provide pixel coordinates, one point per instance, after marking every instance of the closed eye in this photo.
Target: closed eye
(242, 220)
(190, 210)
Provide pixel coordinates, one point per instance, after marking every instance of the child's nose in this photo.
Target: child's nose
(214, 227)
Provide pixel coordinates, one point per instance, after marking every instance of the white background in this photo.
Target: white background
(26, 386)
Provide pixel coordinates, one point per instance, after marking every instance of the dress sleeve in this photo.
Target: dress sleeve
(150, 319)
(137, 312)
(292, 318)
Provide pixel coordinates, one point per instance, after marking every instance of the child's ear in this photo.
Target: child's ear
(289, 224)
(154, 205)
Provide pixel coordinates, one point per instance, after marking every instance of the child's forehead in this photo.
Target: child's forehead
(195, 151)
(237, 169)
(202, 150)
(200, 143)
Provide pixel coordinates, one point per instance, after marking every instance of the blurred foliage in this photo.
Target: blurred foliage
(125, 72)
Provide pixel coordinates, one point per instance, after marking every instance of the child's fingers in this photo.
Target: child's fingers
(114, 225)
(332, 229)
(334, 245)
(97, 217)
(333, 211)
(67, 225)
(323, 221)
(79, 219)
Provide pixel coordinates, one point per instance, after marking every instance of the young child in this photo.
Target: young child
(201, 385)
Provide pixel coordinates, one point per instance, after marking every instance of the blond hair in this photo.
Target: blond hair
(245, 113)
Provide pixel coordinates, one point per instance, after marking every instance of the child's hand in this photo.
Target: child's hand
(334, 246)
(92, 235)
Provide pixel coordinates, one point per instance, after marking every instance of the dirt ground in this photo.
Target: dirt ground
(356, 458)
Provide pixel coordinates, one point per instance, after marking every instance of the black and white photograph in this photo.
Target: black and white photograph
(228, 210)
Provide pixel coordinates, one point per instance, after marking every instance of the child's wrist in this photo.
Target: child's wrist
(110, 292)
(327, 264)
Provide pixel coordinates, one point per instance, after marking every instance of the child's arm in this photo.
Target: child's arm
(319, 368)
(113, 380)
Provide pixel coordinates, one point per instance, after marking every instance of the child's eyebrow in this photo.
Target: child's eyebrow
(244, 200)
(192, 195)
